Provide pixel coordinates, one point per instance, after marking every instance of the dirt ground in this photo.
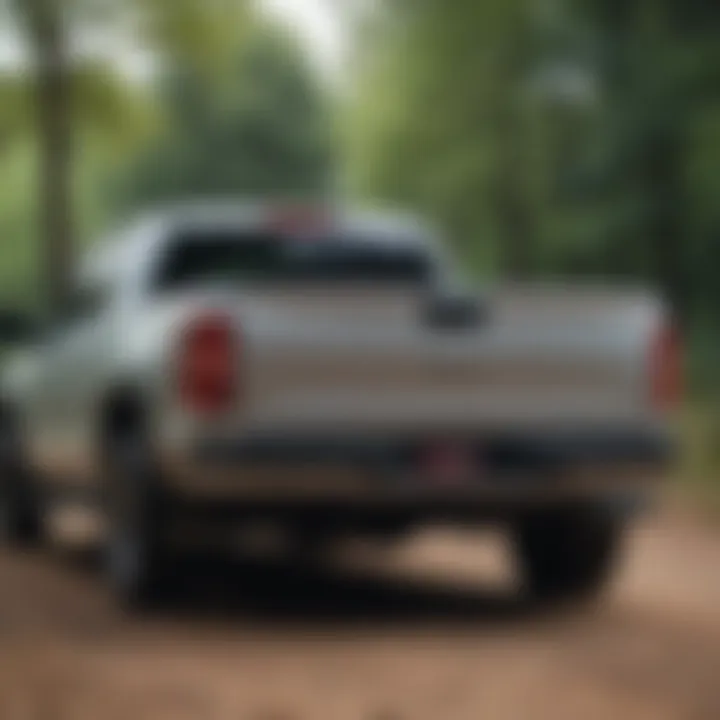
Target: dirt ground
(430, 629)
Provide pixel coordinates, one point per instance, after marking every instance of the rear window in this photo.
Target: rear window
(232, 258)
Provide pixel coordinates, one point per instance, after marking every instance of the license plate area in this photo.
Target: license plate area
(448, 463)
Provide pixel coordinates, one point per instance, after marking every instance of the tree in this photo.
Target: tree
(197, 29)
(440, 122)
(660, 69)
(45, 22)
(260, 128)
(581, 134)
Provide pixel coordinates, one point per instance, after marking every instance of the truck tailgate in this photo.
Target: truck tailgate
(345, 360)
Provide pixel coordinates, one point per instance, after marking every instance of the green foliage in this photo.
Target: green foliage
(261, 128)
(440, 122)
(231, 108)
(578, 137)
(18, 248)
(77, 112)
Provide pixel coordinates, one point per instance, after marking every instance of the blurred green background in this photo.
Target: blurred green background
(555, 138)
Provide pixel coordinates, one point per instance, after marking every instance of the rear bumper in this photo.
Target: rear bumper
(526, 450)
(375, 473)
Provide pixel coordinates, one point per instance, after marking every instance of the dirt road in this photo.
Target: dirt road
(427, 632)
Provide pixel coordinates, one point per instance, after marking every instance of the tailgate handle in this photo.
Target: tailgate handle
(455, 312)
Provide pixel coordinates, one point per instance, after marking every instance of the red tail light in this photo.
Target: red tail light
(208, 365)
(666, 368)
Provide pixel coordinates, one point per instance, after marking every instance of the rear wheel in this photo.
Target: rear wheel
(138, 560)
(569, 553)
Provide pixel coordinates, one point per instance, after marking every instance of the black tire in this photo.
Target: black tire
(20, 511)
(568, 554)
(138, 562)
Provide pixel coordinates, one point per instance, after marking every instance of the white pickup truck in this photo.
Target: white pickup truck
(224, 363)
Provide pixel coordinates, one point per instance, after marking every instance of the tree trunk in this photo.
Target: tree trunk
(663, 169)
(513, 215)
(52, 102)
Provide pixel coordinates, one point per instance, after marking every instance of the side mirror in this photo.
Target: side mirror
(16, 328)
